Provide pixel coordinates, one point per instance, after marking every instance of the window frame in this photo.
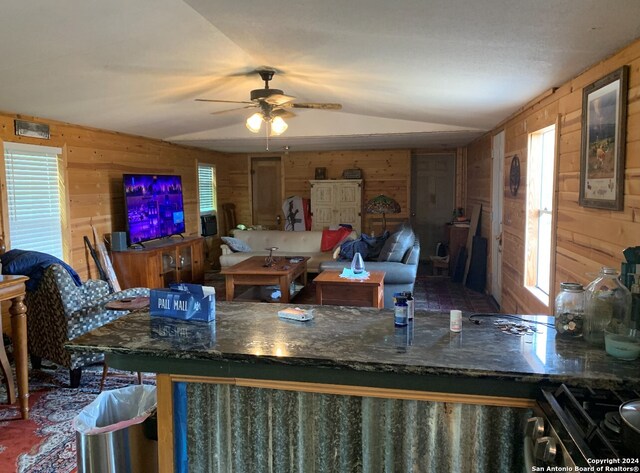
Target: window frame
(61, 156)
(214, 190)
(534, 211)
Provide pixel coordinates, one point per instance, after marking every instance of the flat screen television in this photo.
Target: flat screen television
(154, 206)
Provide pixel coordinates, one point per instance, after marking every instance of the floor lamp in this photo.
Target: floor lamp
(382, 205)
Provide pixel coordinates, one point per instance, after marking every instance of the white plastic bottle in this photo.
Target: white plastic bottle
(455, 320)
(410, 305)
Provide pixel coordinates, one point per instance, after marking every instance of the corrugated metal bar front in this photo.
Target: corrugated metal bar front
(240, 429)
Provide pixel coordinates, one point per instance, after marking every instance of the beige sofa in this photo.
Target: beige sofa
(288, 244)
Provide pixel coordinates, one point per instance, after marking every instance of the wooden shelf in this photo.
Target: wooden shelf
(161, 263)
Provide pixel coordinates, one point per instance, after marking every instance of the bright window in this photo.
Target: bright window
(207, 188)
(33, 198)
(540, 198)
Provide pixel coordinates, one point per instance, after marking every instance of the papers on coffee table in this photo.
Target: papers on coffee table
(348, 274)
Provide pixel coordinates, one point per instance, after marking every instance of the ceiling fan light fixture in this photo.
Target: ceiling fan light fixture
(278, 126)
(254, 122)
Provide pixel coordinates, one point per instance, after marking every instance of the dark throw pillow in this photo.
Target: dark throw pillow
(236, 244)
(397, 245)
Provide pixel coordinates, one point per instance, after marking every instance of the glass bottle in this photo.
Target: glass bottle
(569, 310)
(607, 301)
(400, 315)
(621, 338)
(357, 264)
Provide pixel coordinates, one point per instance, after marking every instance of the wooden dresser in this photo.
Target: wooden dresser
(336, 201)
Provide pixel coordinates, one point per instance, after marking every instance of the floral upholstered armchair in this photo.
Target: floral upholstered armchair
(58, 310)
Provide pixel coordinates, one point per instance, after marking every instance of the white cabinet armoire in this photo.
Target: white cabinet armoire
(336, 201)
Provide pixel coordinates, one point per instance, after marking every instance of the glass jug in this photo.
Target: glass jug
(569, 310)
(607, 301)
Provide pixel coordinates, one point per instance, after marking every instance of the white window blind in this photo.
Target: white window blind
(207, 188)
(33, 197)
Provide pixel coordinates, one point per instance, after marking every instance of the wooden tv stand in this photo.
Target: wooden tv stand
(160, 263)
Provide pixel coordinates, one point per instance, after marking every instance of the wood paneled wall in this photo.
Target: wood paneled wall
(385, 172)
(586, 238)
(96, 160)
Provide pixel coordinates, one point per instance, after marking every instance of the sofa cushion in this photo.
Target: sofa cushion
(236, 244)
(412, 254)
(313, 264)
(292, 242)
(397, 245)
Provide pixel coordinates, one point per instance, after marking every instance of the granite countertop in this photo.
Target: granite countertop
(363, 340)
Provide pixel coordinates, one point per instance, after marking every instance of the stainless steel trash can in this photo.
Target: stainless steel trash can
(117, 432)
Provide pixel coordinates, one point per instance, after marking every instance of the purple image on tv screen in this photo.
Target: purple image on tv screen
(154, 206)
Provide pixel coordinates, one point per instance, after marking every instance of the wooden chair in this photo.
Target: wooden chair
(440, 265)
(229, 212)
(105, 370)
(60, 311)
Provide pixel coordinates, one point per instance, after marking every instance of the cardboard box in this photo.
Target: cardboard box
(185, 302)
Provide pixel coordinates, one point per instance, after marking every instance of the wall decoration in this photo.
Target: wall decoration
(604, 117)
(31, 129)
(514, 175)
(321, 173)
(354, 173)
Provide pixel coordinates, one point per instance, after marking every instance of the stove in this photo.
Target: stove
(573, 425)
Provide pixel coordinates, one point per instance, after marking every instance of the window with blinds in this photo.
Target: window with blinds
(207, 188)
(33, 198)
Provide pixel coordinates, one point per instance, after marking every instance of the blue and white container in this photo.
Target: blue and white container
(401, 310)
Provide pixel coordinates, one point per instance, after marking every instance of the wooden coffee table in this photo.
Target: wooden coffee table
(331, 289)
(252, 272)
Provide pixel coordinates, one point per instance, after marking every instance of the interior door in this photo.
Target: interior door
(497, 197)
(266, 192)
(432, 198)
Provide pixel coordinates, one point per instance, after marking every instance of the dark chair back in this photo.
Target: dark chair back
(229, 214)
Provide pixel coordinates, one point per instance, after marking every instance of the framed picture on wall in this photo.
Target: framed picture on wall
(604, 119)
(321, 173)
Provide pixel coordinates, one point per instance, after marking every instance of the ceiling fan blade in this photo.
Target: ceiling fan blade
(278, 99)
(282, 113)
(233, 109)
(319, 106)
(222, 101)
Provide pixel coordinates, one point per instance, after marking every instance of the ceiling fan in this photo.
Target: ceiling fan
(274, 106)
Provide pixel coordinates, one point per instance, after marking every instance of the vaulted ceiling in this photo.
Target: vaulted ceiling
(409, 73)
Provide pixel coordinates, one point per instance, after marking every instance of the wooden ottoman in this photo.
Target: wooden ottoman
(331, 289)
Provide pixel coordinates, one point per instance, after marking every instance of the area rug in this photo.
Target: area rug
(432, 293)
(438, 293)
(46, 442)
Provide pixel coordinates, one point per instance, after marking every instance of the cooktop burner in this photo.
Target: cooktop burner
(611, 423)
(587, 421)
